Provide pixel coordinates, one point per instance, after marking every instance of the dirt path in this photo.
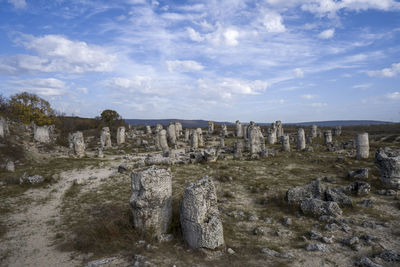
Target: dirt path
(29, 240)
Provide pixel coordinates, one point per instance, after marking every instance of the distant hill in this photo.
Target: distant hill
(204, 123)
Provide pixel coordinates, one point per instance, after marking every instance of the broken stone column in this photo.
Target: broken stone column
(237, 150)
(151, 200)
(362, 146)
(337, 131)
(210, 128)
(255, 138)
(301, 139)
(239, 129)
(279, 129)
(105, 138)
(327, 137)
(4, 131)
(200, 137)
(121, 135)
(194, 140)
(271, 136)
(285, 139)
(171, 134)
(187, 135)
(319, 133)
(77, 144)
(314, 131)
(389, 166)
(199, 215)
(224, 130)
(148, 130)
(42, 133)
(162, 135)
(309, 140)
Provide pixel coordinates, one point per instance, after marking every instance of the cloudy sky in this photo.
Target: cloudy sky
(261, 60)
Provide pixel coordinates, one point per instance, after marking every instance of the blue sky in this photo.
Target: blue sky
(267, 60)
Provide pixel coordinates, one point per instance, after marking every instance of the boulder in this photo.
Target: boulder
(317, 207)
(335, 195)
(199, 215)
(297, 194)
(360, 174)
(34, 179)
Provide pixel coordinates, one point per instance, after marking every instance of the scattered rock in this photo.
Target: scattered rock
(360, 174)
(366, 262)
(359, 188)
(366, 203)
(287, 221)
(389, 256)
(314, 235)
(98, 263)
(10, 166)
(230, 251)
(260, 230)
(317, 247)
(35, 179)
(300, 193)
(317, 207)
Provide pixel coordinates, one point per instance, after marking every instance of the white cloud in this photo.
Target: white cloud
(55, 53)
(308, 96)
(83, 90)
(184, 66)
(362, 86)
(231, 36)
(327, 34)
(193, 35)
(299, 72)
(42, 86)
(318, 105)
(19, 4)
(273, 22)
(387, 72)
(393, 96)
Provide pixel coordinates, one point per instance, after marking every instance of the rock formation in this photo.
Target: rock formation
(362, 146)
(121, 135)
(200, 221)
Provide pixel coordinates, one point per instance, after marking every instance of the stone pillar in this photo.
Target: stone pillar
(255, 138)
(245, 132)
(194, 140)
(187, 135)
(314, 131)
(239, 129)
(301, 139)
(362, 146)
(279, 129)
(337, 131)
(221, 141)
(163, 142)
(172, 134)
(200, 137)
(77, 144)
(148, 130)
(319, 133)
(178, 129)
(4, 131)
(224, 130)
(105, 138)
(42, 133)
(237, 150)
(389, 166)
(151, 200)
(210, 128)
(327, 137)
(271, 136)
(200, 221)
(159, 127)
(285, 139)
(121, 135)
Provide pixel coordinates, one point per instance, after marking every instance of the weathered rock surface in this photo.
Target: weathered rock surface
(42, 133)
(360, 174)
(4, 130)
(362, 146)
(297, 194)
(121, 135)
(77, 144)
(151, 200)
(388, 163)
(201, 225)
(34, 179)
(317, 207)
(105, 138)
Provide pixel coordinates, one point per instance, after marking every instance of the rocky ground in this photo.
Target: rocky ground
(80, 213)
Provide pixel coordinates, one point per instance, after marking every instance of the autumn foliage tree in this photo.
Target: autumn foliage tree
(28, 108)
(111, 118)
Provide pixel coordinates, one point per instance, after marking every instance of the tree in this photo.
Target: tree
(111, 117)
(31, 108)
